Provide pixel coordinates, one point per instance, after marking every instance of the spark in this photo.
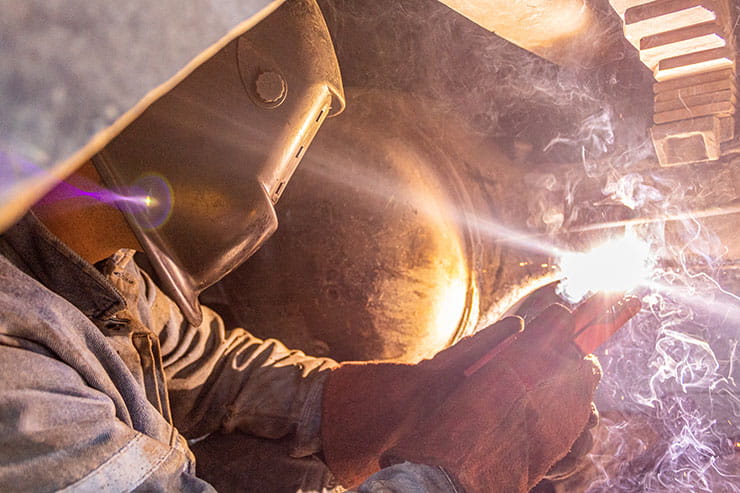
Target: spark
(619, 265)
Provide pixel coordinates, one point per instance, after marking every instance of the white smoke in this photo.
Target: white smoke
(673, 369)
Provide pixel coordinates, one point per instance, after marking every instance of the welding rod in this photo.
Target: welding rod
(732, 208)
(725, 210)
(600, 317)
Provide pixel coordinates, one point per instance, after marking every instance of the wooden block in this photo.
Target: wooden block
(694, 80)
(650, 10)
(663, 16)
(693, 101)
(726, 128)
(695, 31)
(687, 141)
(699, 37)
(723, 109)
(686, 92)
(701, 61)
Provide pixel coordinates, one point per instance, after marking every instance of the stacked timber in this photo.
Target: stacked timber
(690, 47)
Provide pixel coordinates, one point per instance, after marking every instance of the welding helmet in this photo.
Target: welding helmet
(200, 171)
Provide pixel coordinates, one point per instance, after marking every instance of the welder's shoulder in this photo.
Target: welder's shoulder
(34, 318)
(57, 433)
(64, 423)
(48, 412)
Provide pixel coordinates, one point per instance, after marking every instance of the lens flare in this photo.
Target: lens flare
(619, 265)
(148, 201)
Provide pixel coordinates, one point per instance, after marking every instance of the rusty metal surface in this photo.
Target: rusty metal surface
(529, 105)
(373, 258)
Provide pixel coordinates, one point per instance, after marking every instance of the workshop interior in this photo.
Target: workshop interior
(445, 163)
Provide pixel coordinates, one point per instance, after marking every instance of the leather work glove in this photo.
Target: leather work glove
(499, 429)
(573, 461)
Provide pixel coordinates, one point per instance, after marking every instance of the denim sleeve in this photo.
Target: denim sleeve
(409, 478)
(226, 379)
(57, 433)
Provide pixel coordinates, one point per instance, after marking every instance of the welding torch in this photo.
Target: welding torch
(595, 321)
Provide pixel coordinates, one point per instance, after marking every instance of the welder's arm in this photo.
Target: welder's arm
(228, 379)
(220, 379)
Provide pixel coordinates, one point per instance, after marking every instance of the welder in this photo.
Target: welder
(110, 365)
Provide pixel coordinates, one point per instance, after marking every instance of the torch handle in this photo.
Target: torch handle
(594, 321)
(600, 317)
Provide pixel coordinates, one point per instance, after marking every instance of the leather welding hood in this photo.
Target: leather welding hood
(199, 172)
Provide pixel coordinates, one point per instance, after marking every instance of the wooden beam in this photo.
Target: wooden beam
(725, 108)
(690, 47)
(694, 80)
(688, 102)
(687, 141)
(692, 63)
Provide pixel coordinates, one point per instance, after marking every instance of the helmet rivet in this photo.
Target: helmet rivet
(270, 88)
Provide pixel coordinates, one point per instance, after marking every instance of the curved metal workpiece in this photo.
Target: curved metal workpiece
(382, 251)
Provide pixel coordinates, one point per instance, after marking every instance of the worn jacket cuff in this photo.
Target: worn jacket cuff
(307, 439)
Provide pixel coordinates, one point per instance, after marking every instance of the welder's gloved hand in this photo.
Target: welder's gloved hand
(369, 407)
(573, 461)
(501, 429)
